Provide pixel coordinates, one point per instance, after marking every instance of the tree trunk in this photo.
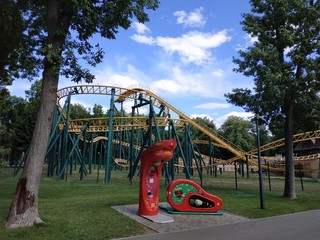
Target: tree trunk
(24, 207)
(289, 187)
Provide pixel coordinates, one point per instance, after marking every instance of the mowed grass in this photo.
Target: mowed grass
(245, 201)
(77, 209)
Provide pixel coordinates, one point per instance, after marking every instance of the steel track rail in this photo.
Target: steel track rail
(133, 93)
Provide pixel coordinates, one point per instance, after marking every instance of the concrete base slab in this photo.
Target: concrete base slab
(160, 218)
(181, 221)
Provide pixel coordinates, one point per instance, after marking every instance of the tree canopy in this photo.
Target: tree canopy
(54, 37)
(17, 118)
(77, 111)
(284, 64)
(98, 110)
(240, 132)
(17, 48)
(28, 31)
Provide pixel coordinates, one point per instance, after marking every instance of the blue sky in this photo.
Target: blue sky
(184, 54)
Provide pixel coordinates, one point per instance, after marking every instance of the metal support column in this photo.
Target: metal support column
(108, 163)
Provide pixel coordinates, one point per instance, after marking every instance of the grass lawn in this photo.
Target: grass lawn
(82, 209)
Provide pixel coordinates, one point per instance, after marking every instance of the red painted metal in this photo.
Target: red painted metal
(152, 160)
(187, 196)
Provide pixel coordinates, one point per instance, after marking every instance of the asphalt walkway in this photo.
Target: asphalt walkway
(298, 226)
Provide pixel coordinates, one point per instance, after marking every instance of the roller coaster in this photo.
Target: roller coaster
(117, 140)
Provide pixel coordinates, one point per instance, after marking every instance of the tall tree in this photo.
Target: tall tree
(17, 58)
(285, 65)
(11, 110)
(240, 132)
(20, 125)
(59, 31)
(97, 110)
(78, 111)
(198, 135)
(18, 115)
(205, 122)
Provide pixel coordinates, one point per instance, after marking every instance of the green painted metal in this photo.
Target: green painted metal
(99, 160)
(170, 164)
(192, 153)
(108, 163)
(53, 162)
(91, 146)
(67, 157)
(65, 139)
(20, 163)
(176, 137)
(131, 149)
(76, 153)
(64, 155)
(58, 160)
(83, 160)
(134, 159)
(55, 123)
(120, 135)
(211, 157)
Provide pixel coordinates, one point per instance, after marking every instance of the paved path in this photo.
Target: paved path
(298, 226)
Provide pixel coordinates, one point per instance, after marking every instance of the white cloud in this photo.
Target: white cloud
(245, 115)
(218, 73)
(192, 19)
(168, 78)
(142, 39)
(201, 116)
(168, 86)
(213, 105)
(140, 28)
(121, 80)
(79, 99)
(185, 81)
(287, 50)
(193, 47)
(179, 81)
(118, 73)
(125, 76)
(249, 41)
(127, 107)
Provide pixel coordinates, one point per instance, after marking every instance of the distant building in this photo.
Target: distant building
(307, 157)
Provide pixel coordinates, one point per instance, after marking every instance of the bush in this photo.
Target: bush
(3, 164)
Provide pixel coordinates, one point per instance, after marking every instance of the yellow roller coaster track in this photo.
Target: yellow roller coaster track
(133, 93)
(206, 142)
(218, 162)
(119, 123)
(279, 143)
(96, 139)
(125, 123)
